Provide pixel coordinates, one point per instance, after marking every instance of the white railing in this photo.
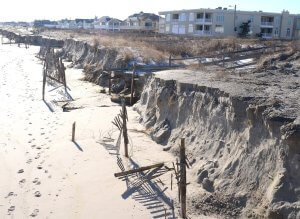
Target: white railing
(207, 33)
(266, 23)
(266, 35)
(201, 20)
(203, 32)
(208, 20)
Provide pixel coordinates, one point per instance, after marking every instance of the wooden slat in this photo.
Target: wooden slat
(124, 173)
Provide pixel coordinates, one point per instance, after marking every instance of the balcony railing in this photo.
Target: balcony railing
(266, 35)
(201, 20)
(208, 20)
(266, 23)
(203, 32)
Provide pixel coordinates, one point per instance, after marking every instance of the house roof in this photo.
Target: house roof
(104, 19)
(144, 16)
(84, 20)
(115, 20)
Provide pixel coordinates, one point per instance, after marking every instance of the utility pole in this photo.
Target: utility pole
(234, 18)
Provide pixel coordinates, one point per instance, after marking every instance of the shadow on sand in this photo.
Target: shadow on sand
(142, 186)
(78, 146)
(49, 106)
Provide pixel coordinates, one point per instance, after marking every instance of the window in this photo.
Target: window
(200, 15)
(191, 17)
(191, 28)
(276, 32)
(288, 32)
(219, 29)
(181, 29)
(148, 24)
(199, 27)
(168, 28)
(207, 16)
(206, 27)
(277, 21)
(175, 16)
(290, 21)
(220, 18)
(175, 28)
(168, 17)
(182, 17)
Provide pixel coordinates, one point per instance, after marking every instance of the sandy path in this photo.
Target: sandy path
(45, 175)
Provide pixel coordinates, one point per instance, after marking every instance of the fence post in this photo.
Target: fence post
(132, 86)
(109, 83)
(170, 61)
(73, 131)
(124, 117)
(183, 178)
(63, 72)
(44, 79)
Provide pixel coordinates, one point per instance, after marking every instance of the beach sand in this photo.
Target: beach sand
(43, 173)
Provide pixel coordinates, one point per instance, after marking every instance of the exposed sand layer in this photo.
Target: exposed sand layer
(44, 174)
(242, 134)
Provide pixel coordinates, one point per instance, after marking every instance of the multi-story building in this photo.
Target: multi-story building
(223, 22)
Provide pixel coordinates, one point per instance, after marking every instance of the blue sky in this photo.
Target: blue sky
(29, 10)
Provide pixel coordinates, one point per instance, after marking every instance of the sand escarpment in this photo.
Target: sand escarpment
(245, 149)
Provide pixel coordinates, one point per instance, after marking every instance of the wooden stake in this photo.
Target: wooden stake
(183, 178)
(109, 84)
(132, 86)
(170, 61)
(63, 72)
(124, 117)
(171, 181)
(44, 80)
(73, 131)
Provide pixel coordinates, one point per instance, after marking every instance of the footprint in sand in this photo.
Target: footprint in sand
(11, 209)
(37, 194)
(21, 182)
(34, 213)
(36, 181)
(21, 171)
(29, 161)
(39, 167)
(10, 194)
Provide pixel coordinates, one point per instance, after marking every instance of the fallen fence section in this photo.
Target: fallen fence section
(141, 169)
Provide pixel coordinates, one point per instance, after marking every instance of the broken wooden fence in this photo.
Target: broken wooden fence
(120, 121)
(53, 69)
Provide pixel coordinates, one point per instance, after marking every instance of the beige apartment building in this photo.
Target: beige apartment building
(223, 22)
